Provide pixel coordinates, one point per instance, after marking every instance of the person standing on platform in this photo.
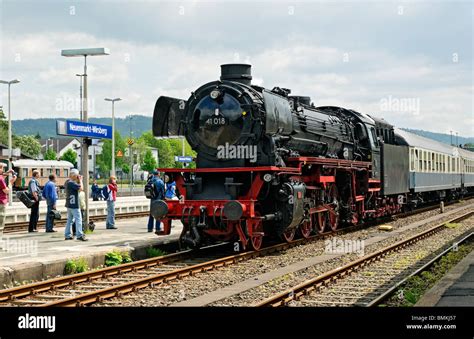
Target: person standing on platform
(73, 186)
(170, 189)
(111, 198)
(35, 192)
(159, 194)
(82, 207)
(4, 190)
(51, 195)
(95, 191)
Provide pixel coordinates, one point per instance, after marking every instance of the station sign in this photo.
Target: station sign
(183, 159)
(83, 129)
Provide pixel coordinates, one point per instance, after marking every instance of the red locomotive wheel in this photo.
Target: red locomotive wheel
(305, 229)
(256, 242)
(322, 216)
(289, 235)
(333, 221)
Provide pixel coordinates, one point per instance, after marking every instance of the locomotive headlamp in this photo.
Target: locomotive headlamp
(215, 94)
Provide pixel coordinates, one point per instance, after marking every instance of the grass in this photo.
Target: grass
(115, 258)
(452, 225)
(414, 288)
(76, 266)
(152, 252)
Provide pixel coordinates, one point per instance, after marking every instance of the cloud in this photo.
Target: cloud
(339, 54)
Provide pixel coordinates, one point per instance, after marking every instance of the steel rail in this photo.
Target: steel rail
(71, 280)
(384, 296)
(23, 225)
(304, 288)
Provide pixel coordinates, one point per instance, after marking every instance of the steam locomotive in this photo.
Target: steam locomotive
(272, 164)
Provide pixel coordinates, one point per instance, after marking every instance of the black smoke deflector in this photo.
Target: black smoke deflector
(168, 116)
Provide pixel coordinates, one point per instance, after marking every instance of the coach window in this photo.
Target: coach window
(412, 159)
(425, 163)
(428, 165)
(24, 172)
(58, 172)
(430, 161)
(66, 172)
(420, 162)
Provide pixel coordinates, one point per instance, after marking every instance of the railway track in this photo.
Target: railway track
(89, 287)
(95, 286)
(23, 225)
(368, 280)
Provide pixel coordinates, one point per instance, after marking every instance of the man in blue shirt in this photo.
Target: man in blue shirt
(51, 195)
(35, 192)
(73, 186)
(159, 187)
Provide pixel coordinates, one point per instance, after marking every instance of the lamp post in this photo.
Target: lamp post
(10, 145)
(131, 155)
(85, 52)
(80, 92)
(113, 132)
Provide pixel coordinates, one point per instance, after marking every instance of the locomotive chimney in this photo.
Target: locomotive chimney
(236, 72)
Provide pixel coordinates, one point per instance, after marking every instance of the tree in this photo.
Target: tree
(28, 144)
(71, 156)
(3, 128)
(165, 151)
(177, 148)
(149, 161)
(37, 136)
(104, 160)
(50, 154)
(125, 168)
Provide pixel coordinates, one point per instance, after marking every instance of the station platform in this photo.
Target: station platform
(36, 256)
(19, 213)
(455, 289)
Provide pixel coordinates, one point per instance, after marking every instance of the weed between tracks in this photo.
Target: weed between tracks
(416, 286)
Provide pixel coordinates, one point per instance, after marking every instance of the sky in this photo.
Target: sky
(409, 62)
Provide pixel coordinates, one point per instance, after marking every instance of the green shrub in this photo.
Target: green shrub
(115, 258)
(76, 266)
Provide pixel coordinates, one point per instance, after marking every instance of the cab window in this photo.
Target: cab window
(373, 137)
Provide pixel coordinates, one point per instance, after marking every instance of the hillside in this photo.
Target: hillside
(140, 123)
(47, 127)
(445, 138)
